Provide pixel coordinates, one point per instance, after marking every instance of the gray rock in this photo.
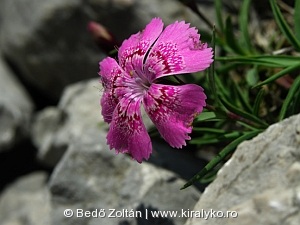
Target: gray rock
(261, 182)
(278, 206)
(91, 178)
(141, 12)
(49, 43)
(45, 126)
(26, 201)
(15, 109)
(78, 111)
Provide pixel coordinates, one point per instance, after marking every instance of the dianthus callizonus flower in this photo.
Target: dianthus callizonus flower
(133, 81)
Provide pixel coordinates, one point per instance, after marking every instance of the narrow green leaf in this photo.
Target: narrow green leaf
(209, 130)
(211, 72)
(242, 114)
(247, 126)
(205, 116)
(230, 39)
(220, 157)
(206, 141)
(297, 19)
(209, 177)
(243, 22)
(243, 97)
(258, 101)
(221, 88)
(284, 27)
(215, 139)
(263, 60)
(289, 98)
(219, 9)
(278, 75)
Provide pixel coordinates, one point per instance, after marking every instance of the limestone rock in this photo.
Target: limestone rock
(48, 42)
(260, 182)
(26, 201)
(90, 177)
(15, 109)
(55, 127)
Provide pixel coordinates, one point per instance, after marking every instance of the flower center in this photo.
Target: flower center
(138, 83)
(142, 83)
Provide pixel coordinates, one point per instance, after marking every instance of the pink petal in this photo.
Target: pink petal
(108, 105)
(127, 132)
(172, 110)
(133, 50)
(113, 79)
(177, 50)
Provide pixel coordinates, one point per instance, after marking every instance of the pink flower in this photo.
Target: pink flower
(133, 81)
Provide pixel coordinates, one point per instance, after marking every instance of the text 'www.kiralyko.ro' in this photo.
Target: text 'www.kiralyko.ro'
(130, 213)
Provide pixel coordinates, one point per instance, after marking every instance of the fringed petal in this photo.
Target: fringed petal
(177, 50)
(133, 50)
(127, 132)
(172, 110)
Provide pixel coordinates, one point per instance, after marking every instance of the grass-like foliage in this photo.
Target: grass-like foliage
(249, 86)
